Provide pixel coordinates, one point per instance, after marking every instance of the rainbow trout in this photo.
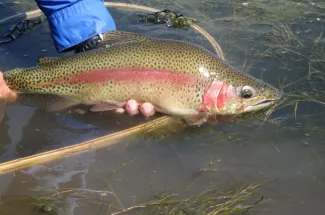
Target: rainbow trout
(178, 78)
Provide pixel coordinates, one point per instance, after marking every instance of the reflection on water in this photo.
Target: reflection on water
(287, 150)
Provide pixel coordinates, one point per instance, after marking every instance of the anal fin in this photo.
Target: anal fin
(61, 105)
(50, 103)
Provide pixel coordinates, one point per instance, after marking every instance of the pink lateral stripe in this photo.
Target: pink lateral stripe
(127, 74)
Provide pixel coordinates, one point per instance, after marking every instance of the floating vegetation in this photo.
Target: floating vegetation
(170, 18)
(20, 28)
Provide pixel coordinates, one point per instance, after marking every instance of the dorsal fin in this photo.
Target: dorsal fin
(120, 37)
(115, 37)
(110, 39)
(45, 60)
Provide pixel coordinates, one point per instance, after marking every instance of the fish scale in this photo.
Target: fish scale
(173, 75)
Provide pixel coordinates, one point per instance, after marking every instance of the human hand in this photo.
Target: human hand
(133, 108)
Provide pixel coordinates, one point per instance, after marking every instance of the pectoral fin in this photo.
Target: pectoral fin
(213, 120)
(103, 107)
(196, 120)
(217, 119)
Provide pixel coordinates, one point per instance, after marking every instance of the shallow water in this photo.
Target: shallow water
(288, 150)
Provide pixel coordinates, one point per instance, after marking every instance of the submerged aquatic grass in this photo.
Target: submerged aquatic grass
(211, 201)
(280, 42)
(238, 199)
(283, 43)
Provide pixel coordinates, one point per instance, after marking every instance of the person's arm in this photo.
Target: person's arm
(74, 21)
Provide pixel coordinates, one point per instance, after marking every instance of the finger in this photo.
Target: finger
(5, 93)
(132, 107)
(147, 109)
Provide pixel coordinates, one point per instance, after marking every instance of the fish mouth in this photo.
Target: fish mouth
(265, 103)
(262, 105)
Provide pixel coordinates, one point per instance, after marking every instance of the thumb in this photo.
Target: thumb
(5, 93)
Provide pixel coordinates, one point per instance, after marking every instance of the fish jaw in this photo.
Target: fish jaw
(260, 106)
(262, 103)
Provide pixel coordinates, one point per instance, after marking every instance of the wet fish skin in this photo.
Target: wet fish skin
(178, 78)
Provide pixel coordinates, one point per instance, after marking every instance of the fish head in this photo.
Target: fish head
(237, 93)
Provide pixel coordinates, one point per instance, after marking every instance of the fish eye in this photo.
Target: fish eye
(247, 92)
